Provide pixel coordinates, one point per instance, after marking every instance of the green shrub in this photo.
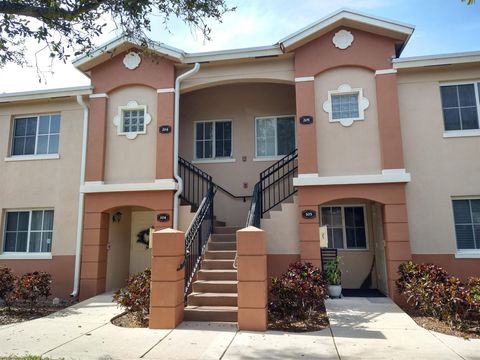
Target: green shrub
(135, 296)
(32, 286)
(7, 285)
(297, 293)
(430, 289)
(333, 274)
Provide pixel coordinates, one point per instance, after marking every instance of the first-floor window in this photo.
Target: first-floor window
(36, 135)
(28, 231)
(466, 214)
(213, 139)
(345, 226)
(275, 136)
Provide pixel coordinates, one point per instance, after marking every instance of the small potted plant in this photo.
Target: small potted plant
(333, 276)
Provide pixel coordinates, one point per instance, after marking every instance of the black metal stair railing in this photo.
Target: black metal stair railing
(254, 213)
(196, 237)
(196, 183)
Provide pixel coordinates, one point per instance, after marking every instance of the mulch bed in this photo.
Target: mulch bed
(20, 312)
(128, 320)
(317, 321)
(431, 323)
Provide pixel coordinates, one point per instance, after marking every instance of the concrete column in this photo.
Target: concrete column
(306, 134)
(165, 112)
(397, 244)
(94, 255)
(252, 279)
(389, 121)
(97, 127)
(167, 286)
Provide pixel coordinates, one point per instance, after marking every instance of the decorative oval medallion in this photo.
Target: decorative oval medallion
(343, 39)
(132, 60)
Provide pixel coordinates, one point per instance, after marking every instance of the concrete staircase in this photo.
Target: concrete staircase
(214, 293)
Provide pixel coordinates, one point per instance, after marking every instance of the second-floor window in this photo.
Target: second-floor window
(213, 139)
(275, 136)
(461, 106)
(36, 135)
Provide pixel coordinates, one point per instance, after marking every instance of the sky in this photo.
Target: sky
(441, 26)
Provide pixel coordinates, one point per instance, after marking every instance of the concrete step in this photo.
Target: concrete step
(217, 274)
(219, 223)
(212, 299)
(210, 264)
(223, 238)
(226, 229)
(211, 313)
(215, 286)
(216, 246)
(220, 254)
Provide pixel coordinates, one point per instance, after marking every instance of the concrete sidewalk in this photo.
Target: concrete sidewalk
(361, 328)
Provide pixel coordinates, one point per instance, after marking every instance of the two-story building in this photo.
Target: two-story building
(329, 128)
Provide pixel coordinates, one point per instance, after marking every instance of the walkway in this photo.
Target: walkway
(361, 328)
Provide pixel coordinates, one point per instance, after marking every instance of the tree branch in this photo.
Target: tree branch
(49, 12)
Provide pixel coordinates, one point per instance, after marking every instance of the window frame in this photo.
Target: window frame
(118, 120)
(350, 91)
(467, 132)
(276, 156)
(33, 156)
(463, 253)
(344, 230)
(213, 158)
(25, 254)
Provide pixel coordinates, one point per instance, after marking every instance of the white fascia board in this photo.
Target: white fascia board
(436, 60)
(261, 51)
(387, 176)
(45, 94)
(348, 14)
(100, 187)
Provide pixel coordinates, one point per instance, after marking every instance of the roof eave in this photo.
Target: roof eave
(437, 60)
(45, 94)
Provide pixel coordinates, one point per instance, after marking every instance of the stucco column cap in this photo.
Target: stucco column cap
(250, 229)
(168, 231)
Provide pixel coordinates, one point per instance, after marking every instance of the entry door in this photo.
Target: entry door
(379, 249)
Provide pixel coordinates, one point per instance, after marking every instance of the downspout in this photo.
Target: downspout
(176, 133)
(81, 199)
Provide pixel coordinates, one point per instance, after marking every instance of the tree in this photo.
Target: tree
(68, 27)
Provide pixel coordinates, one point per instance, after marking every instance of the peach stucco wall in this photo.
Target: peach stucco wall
(441, 168)
(351, 150)
(241, 103)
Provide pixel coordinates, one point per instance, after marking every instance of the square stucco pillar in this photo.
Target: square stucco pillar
(306, 133)
(252, 279)
(165, 114)
(167, 284)
(308, 228)
(397, 244)
(93, 270)
(97, 128)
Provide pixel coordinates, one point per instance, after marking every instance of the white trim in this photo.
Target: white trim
(45, 94)
(387, 176)
(214, 161)
(307, 175)
(461, 133)
(25, 256)
(276, 156)
(346, 89)
(118, 119)
(344, 230)
(467, 254)
(304, 78)
(98, 95)
(166, 90)
(385, 71)
(436, 60)
(159, 184)
(32, 157)
(214, 140)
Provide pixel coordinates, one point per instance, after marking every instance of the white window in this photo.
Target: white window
(275, 136)
(346, 105)
(213, 139)
(346, 226)
(28, 231)
(461, 106)
(466, 214)
(36, 135)
(132, 120)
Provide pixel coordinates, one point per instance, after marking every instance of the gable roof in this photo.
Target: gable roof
(345, 17)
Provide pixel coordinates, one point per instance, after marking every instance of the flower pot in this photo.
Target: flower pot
(334, 291)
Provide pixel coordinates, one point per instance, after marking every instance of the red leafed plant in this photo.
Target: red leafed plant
(7, 285)
(135, 296)
(299, 292)
(32, 286)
